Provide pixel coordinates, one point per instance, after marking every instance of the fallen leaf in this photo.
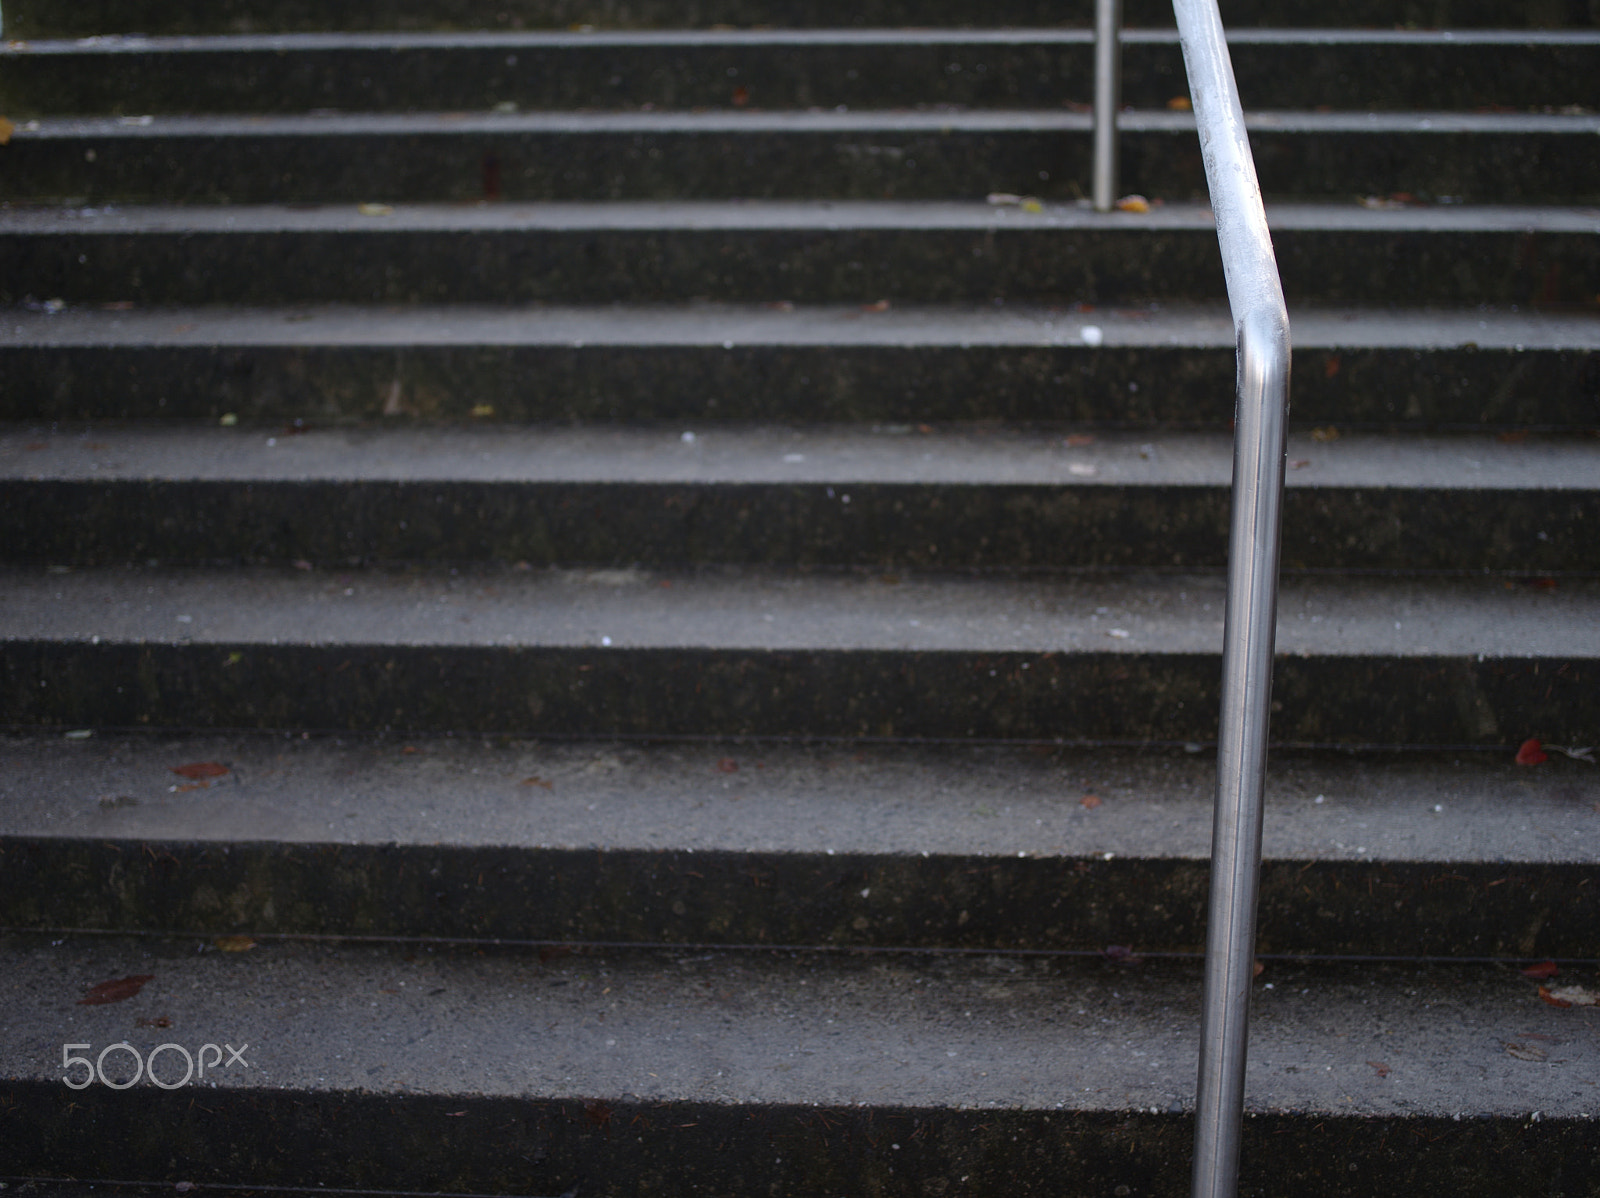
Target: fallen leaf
(234, 944)
(6, 130)
(1512, 436)
(116, 990)
(1299, 463)
(481, 410)
(598, 1113)
(1531, 752)
(158, 1021)
(411, 749)
(229, 419)
(1257, 969)
(1571, 996)
(1539, 584)
(1330, 365)
(201, 769)
(1029, 204)
(741, 96)
(881, 306)
(1544, 969)
(117, 306)
(188, 786)
(1326, 433)
(1002, 199)
(454, 1114)
(1181, 104)
(535, 780)
(1121, 952)
(1133, 203)
(302, 564)
(374, 209)
(727, 765)
(1525, 1052)
(1078, 440)
(553, 952)
(1090, 801)
(1380, 1067)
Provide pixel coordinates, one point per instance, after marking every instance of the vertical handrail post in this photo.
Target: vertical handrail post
(1261, 324)
(1107, 99)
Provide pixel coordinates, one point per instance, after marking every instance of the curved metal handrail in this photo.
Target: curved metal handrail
(1261, 325)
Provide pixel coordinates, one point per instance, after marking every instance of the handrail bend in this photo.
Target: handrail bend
(1261, 326)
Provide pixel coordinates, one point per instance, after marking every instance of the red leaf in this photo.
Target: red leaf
(116, 990)
(1544, 993)
(1531, 752)
(200, 769)
(598, 1113)
(1090, 801)
(728, 766)
(1383, 1070)
(1544, 969)
(741, 96)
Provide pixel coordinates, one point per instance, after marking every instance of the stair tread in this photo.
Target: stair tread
(808, 215)
(966, 801)
(756, 1028)
(704, 323)
(134, 43)
(776, 122)
(1162, 614)
(774, 456)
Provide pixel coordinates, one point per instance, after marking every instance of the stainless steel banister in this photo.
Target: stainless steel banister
(1107, 99)
(1261, 325)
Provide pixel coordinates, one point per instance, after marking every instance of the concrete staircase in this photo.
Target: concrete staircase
(630, 595)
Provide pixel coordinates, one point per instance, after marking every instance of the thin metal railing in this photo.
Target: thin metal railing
(1261, 412)
(1107, 99)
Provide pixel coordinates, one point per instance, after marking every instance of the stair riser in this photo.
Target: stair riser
(1117, 264)
(47, 18)
(917, 526)
(468, 1144)
(1005, 904)
(888, 163)
(1178, 386)
(599, 76)
(1424, 700)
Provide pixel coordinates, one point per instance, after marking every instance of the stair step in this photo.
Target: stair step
(973, 848)
(849, 252)
(1496, 370)
(792, 1073)
(951, 498)
(1471, 157)
(285, 73)
(1467, 661)
(45, 18)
